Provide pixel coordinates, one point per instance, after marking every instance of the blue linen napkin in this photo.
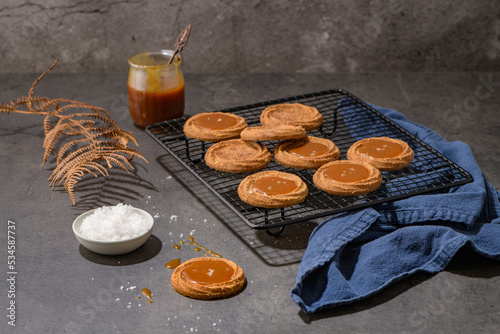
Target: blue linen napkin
(356, 254)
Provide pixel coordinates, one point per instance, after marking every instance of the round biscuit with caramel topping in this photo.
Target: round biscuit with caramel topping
(347, 178)
(272, 189)
(383, 153)
(237, 156)
(293, 114)
(214, 126)
(306, 153)
(208, 278)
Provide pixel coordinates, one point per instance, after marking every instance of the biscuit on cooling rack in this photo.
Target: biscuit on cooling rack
(237, 156)
(275, 132)
(383, 153)
(306, 153)
(208, 278)
(293, 114)
(272, 189)
(214, 126)
(347, 178)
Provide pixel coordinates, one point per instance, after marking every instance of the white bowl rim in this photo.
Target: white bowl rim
(89, 212)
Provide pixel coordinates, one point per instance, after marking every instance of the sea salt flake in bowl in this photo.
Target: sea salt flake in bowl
(113, 230)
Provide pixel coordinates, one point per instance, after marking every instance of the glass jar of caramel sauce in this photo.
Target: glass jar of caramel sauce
(155, 87)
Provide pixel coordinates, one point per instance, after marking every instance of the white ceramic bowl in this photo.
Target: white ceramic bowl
(112, 247)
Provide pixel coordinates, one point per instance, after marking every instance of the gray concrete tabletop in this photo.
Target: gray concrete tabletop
(61, 287)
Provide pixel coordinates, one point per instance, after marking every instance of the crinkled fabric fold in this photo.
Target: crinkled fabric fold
(356, 254)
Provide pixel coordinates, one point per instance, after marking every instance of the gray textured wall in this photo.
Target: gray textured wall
(253, 35)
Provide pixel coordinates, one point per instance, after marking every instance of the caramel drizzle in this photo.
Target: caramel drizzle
(208, 272)
(380, 148)
(216, 121)
(270, 186)
(347, 173)
(198, 248)
(309, 149)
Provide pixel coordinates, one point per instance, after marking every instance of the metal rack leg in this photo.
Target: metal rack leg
(281, 229)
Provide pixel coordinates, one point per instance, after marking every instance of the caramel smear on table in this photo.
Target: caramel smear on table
(270, 186)
(380, 148)
(216, 121)
(172, 264)
(147, 294)
(347, 173)
(309, 150)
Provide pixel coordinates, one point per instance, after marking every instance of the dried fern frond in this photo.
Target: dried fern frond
(99, 144)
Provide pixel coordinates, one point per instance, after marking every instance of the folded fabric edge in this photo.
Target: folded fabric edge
(334, 244)
(434, 265)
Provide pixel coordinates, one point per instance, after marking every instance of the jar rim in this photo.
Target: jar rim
(162, 57)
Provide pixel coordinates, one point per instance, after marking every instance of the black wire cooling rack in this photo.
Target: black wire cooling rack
(347, 119)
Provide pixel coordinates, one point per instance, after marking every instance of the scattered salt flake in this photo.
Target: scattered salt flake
(117, 299)
(157, 215)
(192, 232)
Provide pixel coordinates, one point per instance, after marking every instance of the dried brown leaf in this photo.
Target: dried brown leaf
(99, 144)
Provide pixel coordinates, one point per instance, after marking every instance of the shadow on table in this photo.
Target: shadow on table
(465, 263)
(119, 186)
(287, 248)
(142, 254)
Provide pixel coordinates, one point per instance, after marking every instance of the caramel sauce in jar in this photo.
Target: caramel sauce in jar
(272, 185)
(216, 121)
(155, 87)
(309, 150)
(152, 107)
(347, 173)
(208, 272)
(380, 148)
